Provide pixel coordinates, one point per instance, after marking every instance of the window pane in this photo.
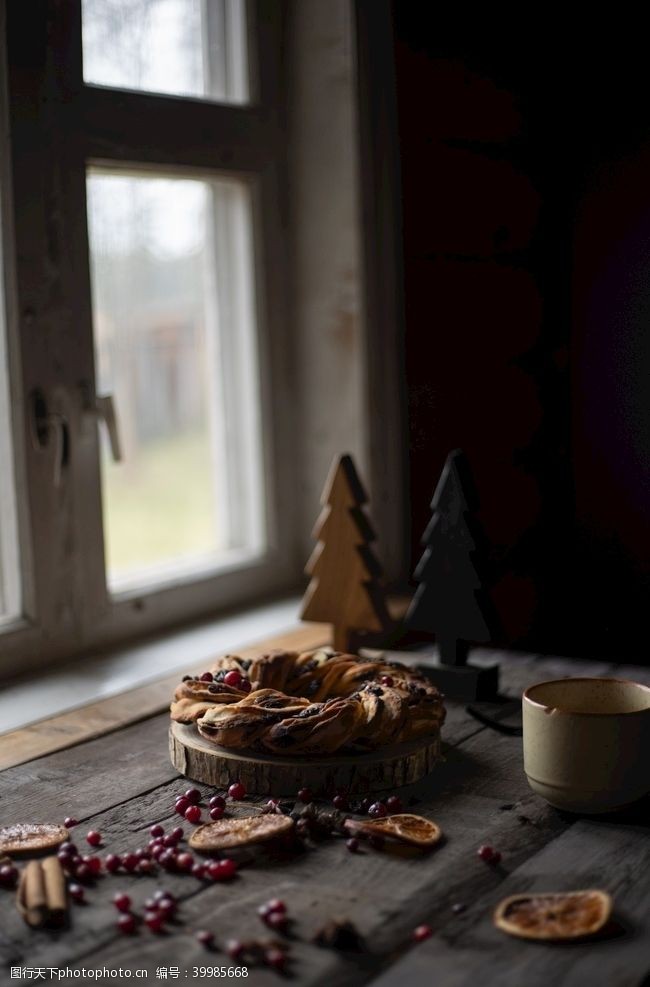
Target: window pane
(10, 602)
(175, 345)
(180, 47)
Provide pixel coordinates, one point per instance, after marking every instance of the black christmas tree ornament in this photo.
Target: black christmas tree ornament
(450, 601)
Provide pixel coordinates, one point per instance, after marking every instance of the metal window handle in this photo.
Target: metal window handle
(58, 426)
(104, 410)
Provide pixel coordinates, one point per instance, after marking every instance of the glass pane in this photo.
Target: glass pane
(179, 47)
(10, 602)
(173, 300)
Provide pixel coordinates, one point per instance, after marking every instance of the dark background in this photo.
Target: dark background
(524, 152)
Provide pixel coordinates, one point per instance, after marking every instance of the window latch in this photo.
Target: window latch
(103, 410)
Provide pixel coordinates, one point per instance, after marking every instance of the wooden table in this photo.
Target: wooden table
(122, 782)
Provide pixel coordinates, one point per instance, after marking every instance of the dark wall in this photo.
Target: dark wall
(526, 237)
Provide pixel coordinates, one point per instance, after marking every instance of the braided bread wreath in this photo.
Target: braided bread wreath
(318, 702)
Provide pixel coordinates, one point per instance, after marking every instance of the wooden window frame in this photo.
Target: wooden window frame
(58, 126)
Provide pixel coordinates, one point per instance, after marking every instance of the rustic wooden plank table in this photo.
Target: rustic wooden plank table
(122, 782)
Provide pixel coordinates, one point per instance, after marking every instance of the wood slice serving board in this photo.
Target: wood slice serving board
(263, 774)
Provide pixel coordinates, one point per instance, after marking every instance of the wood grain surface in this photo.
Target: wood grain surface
(122, 782)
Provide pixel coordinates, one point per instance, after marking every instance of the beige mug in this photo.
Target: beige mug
(587, 742)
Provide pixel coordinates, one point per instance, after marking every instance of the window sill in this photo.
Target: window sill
(74, 684)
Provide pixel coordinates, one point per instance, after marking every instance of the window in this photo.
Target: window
(146, 340)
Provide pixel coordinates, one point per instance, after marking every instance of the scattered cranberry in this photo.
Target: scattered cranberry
(181, 806)
(245, 686)
(198, 871)
(217, 802)
(154, 921)
(378, 810)
(305, 795)
(83, 872)
(276, 905)
(205, 937)
(193, 814)
(207, 677)
(145, 867)
(364, 805)
(233, 678)
(169, 840)
(157, 830)
(94, 838)
(193, 796)
(166, 908)
(158, 851)
(122, 901)
(276, 920)
(237, 790)
(387, 680)
(76, 892)
(112, 863)
(234, 949)
(68, 847)
(421, 933)
(142, 854)
(94, 864)
(185, 861)
(394, 804)
(8, 875)
(161, 895)
(127, 924)
(216, 813)
(167, 859)
(222, 870)
(275, 958)
(340, 802)
(178, 833)
(69, 822)
(489, 854)
(352, 844)
(129, 862)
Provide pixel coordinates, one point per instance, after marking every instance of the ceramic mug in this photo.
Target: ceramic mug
(587, 742)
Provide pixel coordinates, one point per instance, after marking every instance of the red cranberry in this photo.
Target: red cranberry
(237, 790)
(193, 814)
(217, 802)
(94, 838)
(8, 875)
(352, 844)
(166, 907)
(127, 924)
(154, 921)
(158, 851)
(364, 805)
(157, 830)
(378, 810)
(245, 686)
(145, 867)
(216, 813)
(169, 840)
(77, 893)
(129, 862)
(394, 804)
(276, 920)
(162, 895)
(421, 933)
(275, 958)
(198, 871)
(204, 937)
(305, 795)
(122, 901)
(234, 949)
(489, 854)
(68, 847)
(182, 804)
(340, 802)
(112, 863)
(94, 863)
(222, 870)
(276, 905)
(185, 861)
(207, 677)
(167, 859)
(69, 822)
(178, 833)
(83, 872)
(387, 680)
(233, 678)
(193, 796)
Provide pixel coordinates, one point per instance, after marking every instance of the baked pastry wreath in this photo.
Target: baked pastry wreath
(318, 702)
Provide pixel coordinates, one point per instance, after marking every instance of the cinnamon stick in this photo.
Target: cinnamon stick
(32, 900)
(55, 890)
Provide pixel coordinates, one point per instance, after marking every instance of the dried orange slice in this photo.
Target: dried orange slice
(230, 834)
(404, 827)
(31, 837)
(555, 915)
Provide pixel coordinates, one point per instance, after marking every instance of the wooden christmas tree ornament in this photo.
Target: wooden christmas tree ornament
(344, 590)
(449, 601)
